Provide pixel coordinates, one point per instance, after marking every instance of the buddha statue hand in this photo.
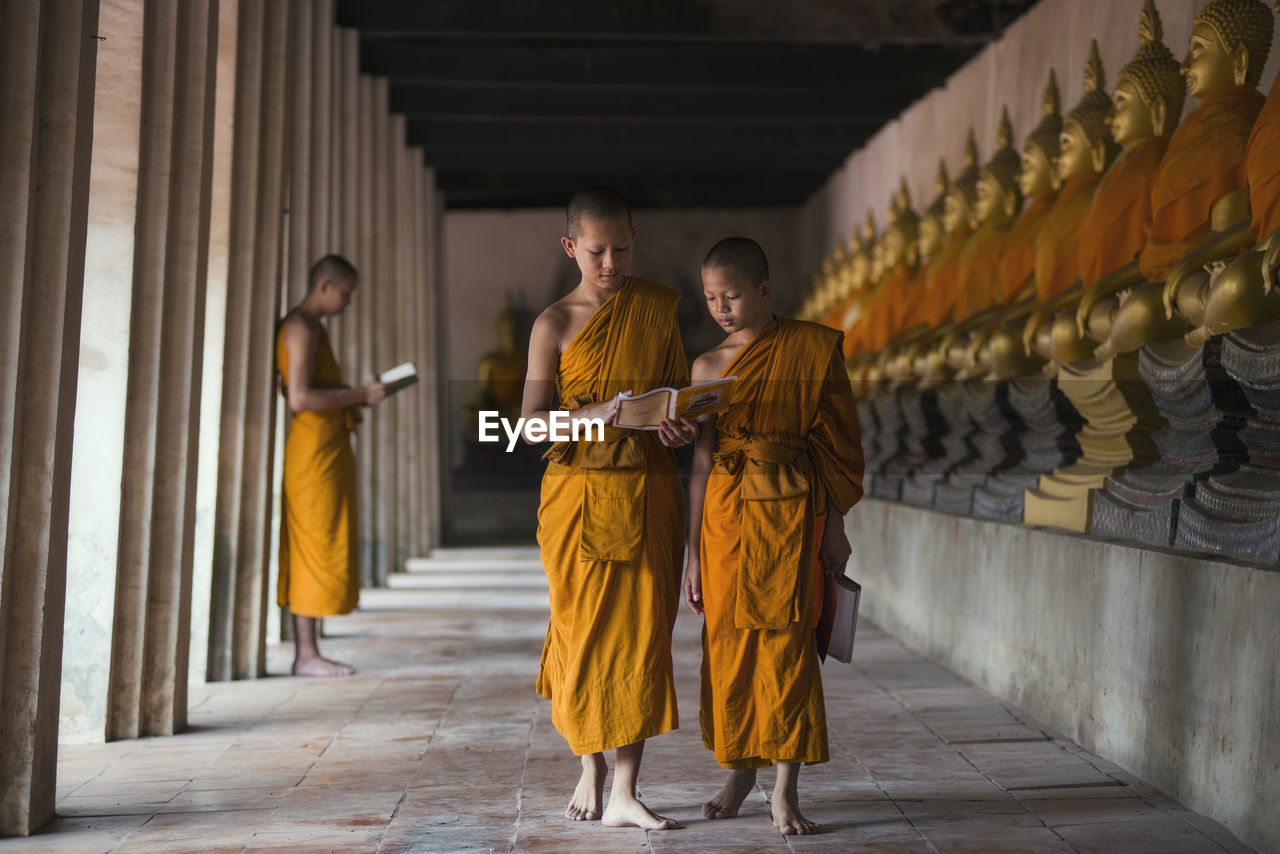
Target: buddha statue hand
(1034, 323)
(1177, 276)
(1271, 262)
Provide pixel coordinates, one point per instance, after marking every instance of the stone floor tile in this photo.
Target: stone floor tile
(1164, 835)
(1058, 813)
(1019, 840)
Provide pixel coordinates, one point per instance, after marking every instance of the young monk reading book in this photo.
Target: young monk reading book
(611, 516)
(772, 479)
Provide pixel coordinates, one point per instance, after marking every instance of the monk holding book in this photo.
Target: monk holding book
(772, 478)
(611, 515)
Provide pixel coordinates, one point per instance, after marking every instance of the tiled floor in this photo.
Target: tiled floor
(440, 745)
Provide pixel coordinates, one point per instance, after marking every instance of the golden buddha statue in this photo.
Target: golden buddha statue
(859, 281)
(958, 225)
(1200, 201)
(500, 372)
(893, 268)
(913, 320)
(1086, 150)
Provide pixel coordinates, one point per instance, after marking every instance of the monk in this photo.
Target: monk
(611, 516)
(772, 478)
(319, 571)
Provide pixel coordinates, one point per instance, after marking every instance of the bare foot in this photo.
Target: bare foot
(626, 811)
(787, 818)
(318, 666)
(729, 799)
(587, 797)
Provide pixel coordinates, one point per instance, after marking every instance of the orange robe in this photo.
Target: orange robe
(1058, 246)
(1019, 261)
(906, 312)
(789, 442)
(1115, 230)
(978, 286)
(319, 548)
(940, 298)
(859, 336)
(1204, 162)
(901, 289)
(1262, 165)
(611, 531)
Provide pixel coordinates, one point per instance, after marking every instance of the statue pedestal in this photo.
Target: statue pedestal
(989, 435)
(926, 459)
(1120, 418)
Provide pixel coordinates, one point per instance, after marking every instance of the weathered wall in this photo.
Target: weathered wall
(1054, 34)
(1165, 665)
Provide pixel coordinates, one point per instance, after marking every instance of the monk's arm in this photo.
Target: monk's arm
(1219, 245)
(540, 380)
(302, 342)
(703, 450)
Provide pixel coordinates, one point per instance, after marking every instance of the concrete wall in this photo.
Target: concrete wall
(1165, 665)
(1054, 34)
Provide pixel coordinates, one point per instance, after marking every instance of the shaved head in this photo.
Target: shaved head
(741, 255)
(598, 203)
(332, 267)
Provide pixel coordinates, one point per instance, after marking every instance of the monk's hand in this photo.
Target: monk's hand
(374, 392)
(675, 433)
(605, 410)
(693, 584)
(834, 550)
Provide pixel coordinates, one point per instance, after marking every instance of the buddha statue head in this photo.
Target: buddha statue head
(930, 231)
(1149, 90)
(898, 244)
(962, 196)
(1037, 178)
(1086, 145)
(1228, 46)
(999, 196)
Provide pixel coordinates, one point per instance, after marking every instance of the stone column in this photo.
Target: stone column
(383, 343)
(365, 301)
(149, 656)
(436, 463)
(241, 553)
(301, 79)
(47, 59)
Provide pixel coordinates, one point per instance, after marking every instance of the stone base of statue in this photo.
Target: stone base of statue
(1120, 418)
(992, 439)
(919, 443)
(1041, 437)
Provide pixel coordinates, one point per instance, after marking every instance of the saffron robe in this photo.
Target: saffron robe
(901, 290)
(859, 336)
(1019, 261)
(789, 441)
(611, 532)
(1058, 246)
(1262, 165)
(319, 547)
(978, 280)
(1204, 162)
(1115, 230)
(940, 298)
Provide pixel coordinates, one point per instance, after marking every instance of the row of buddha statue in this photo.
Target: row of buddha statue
(1100, 261)
(1095, 240)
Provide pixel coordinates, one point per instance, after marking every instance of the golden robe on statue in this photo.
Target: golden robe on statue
(1262, 164)
(1115, 230)
(944, 275)
(611, 530)
(1058, 246)
(319, 550)
(1204, 162)
(1018, 261)
(978, 281)
(789, 441)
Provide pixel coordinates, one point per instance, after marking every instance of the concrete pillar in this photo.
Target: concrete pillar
(398, 412)
(242, 595)
(301, 79)
(47, 56)
(437, 462)
(365, 302)
(150, 642)
(347, 128)
(382, 344)
(423, 340)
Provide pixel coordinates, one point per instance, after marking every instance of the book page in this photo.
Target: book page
(704, 398)
(400, 377)
(644, 412)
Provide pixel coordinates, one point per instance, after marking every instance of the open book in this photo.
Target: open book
(844, 624)
(646, 411)
(400, 377)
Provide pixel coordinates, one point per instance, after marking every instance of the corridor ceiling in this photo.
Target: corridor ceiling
(679, 103)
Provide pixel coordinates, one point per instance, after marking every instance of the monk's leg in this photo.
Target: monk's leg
(729, 799)
(307, 660)
(786, 802)
(589, 794)
(625, 809)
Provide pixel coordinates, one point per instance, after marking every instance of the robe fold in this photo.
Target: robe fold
(1058, 246)
(944, 272)
(788, 443)
(1204, 162)
(1262, 165)
(611, 533)
(1115, 230)
(319, 548)
(978, 279)
(1018, 263)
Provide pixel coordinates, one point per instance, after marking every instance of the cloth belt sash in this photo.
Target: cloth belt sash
(776, 474)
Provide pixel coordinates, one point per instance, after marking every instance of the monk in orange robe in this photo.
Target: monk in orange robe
(772, 478)
(319, 569)
(611, 517)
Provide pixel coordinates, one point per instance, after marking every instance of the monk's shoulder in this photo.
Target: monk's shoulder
(807, 334)
(655, 293)
(711, 364)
